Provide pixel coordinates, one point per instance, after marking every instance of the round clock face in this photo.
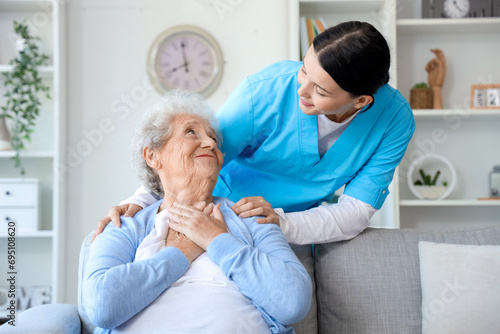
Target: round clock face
(456, 8)
(185, 57)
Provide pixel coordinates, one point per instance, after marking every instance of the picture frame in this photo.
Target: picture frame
(485, 96)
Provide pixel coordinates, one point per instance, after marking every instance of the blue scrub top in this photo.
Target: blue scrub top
(271, 146)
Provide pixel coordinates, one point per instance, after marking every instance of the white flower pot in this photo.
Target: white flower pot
(431, 163)
(431, 192)
(20, 44)
(4, 136)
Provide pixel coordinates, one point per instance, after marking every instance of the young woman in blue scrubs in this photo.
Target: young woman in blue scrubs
(296, 132)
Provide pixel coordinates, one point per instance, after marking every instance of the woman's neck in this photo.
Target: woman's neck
(342, 117)
(187, 192)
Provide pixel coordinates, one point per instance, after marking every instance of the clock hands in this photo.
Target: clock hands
(176, 68)
(184, 57)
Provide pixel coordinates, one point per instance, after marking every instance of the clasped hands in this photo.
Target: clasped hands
(192, 228)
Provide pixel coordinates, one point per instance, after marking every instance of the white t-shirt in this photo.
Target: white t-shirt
(329, 132)
(203, 300)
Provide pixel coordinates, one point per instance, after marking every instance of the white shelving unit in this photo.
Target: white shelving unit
(39, 259)
(470, 136)
(471, 46)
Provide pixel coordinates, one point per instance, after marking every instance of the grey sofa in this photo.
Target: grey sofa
(370, 284)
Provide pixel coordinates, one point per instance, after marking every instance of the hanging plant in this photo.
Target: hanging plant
(23, 84)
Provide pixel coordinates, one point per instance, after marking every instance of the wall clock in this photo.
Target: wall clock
(185, 57)
(451, 8)
(456, 8)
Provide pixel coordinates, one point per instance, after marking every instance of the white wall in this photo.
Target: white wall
(107, 45)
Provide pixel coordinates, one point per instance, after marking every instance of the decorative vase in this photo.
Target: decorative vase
(4, 135)
(421, 98)
(431, 192)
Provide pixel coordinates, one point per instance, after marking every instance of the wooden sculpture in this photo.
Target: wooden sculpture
(436, 69)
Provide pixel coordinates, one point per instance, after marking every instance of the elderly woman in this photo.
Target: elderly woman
(189, 264)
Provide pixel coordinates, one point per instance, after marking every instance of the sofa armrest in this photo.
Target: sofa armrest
(48, 318)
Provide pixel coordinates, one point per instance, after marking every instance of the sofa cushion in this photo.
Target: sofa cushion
(371, 284)
(460, 288)
(308, 325)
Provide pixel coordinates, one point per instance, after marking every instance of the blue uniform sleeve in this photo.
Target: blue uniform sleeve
(236, 121)
(371, 182)
(115, 287)
(268, 273)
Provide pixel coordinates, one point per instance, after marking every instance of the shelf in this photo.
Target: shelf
(449, 202)
(28, 154)
(33, 234)
(459, 112)
(336, 6)
(24, 5)
(433, 26)
(41, 69)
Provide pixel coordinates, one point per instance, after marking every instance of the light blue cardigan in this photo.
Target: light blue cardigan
(255, 256)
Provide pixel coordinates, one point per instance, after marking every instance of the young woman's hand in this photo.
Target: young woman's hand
(114, 213)
(199, 225)
(256, 206)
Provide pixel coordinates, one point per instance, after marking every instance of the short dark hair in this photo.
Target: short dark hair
(355, 55)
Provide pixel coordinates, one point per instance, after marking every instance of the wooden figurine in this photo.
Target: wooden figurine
(436, 69)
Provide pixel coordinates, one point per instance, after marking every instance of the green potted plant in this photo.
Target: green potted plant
(22, 87)
(427, 185)
(421, 96)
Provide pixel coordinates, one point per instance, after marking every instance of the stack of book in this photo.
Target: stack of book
(309, 28)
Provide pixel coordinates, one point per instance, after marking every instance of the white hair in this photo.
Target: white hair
(156, 128)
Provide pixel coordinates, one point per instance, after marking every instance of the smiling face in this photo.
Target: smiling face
(320, 94)
(191, 152)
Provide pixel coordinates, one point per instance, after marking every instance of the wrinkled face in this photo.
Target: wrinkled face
(319, 93)
(191, 150)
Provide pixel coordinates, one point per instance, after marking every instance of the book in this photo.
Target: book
(304, 41)
(310, 31)
(320, 25)
(309, 28)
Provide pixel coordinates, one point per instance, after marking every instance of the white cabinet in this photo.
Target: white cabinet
(39, 261)
(471, 46)
(19, 204)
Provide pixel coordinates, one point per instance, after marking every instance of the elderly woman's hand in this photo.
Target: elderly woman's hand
(186, 246)
(201, 226)
(256, 206)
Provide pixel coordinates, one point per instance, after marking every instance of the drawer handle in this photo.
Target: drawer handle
(7, 218)
(7, 193)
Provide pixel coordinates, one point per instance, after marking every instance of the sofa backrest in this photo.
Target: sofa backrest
(371, 284)
(87, 326)
(308, 325)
